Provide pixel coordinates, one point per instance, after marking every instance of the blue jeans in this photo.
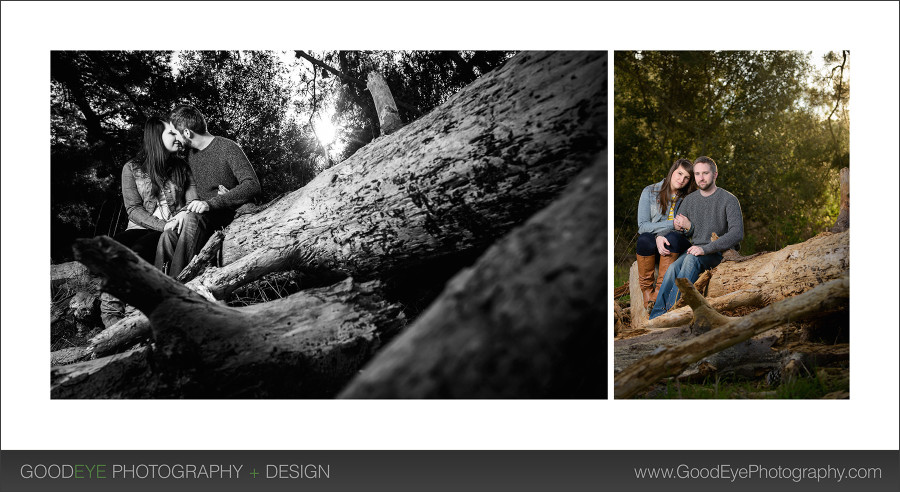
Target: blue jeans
(686, 266)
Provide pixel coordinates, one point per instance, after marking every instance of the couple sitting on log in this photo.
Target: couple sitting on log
(677, 219)
(183, 185)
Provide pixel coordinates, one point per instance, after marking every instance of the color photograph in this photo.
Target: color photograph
(732, 224)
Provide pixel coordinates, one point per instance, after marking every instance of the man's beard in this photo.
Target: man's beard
(704, 188)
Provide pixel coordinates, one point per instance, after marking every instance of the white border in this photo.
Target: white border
(30, 420)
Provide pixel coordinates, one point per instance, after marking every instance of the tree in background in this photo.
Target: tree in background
(777, 128)
(419, 81)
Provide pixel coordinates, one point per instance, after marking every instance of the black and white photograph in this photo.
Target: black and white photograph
(322, 224)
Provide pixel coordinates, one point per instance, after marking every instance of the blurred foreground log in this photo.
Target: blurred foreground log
(528, 320)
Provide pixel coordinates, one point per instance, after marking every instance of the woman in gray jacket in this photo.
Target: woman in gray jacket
(156, 187)
(657, 235)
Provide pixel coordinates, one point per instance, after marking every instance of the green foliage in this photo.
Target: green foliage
(763, 116)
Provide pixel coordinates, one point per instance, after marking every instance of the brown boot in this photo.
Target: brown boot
(646, 265)
(664, 262)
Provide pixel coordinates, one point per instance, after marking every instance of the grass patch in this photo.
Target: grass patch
(815, 385)
(823, 381)
(621, 272)
(715, 388)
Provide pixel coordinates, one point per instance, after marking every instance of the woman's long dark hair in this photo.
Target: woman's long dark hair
(157, 162)
(665, 192)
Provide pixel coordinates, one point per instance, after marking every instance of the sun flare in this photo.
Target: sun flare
(325, 130)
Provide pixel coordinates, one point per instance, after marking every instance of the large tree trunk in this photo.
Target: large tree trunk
(526, 321)
(388, 115)
(842, 223)
(452, 181)
(305, 345)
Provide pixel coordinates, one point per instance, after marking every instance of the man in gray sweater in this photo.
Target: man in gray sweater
(224, 177)
(707, 211)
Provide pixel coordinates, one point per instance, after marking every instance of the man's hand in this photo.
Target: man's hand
(661, 243)
(696, 251)
(176, 222)
(222, 190)
(198, 207)
(682, 223)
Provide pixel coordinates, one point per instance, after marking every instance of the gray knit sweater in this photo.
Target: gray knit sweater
(223, 162)
(719, 213)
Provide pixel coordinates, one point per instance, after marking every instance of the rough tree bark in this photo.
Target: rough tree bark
(305, 345)
(526, 321)
(727, 332)
(388, 115)
(453, 180)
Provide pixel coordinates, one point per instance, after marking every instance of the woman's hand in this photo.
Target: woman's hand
(222, 190)
(661, 243)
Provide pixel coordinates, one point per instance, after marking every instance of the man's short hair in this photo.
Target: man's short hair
(706, 160)
(188, 117)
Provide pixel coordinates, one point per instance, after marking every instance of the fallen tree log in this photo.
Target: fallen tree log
(452, 181)
(526, 321)
(305, 345)
(669, 361)
(766, 278)
(787, 272)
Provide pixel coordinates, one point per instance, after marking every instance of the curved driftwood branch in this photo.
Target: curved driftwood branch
(705, 317)
(727, 302)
